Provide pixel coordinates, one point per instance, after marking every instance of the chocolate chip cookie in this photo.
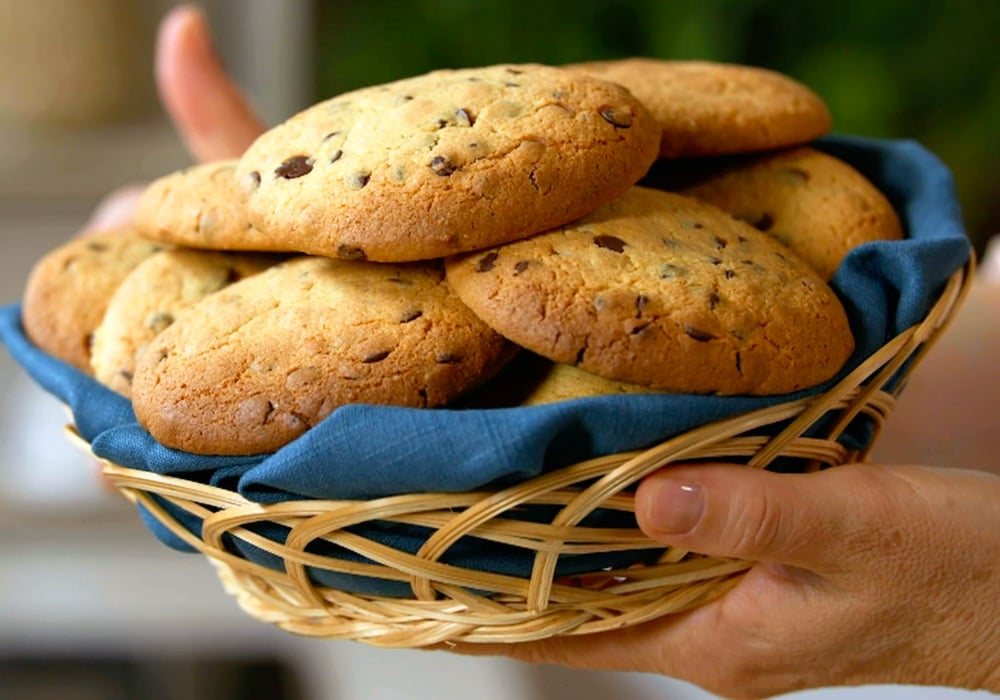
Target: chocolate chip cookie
(200, 207)
(706, 108)
(816, 204)
(532, 380)
(255, 365)
(155, 293)
(70, 287)
(665, 291)
(450, 161)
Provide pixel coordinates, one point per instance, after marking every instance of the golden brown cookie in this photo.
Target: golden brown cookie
(200, 207)
(665, 291)
(255, 365)
(532, 380)
(445, 162)
(69, 289)
(152, 295)
(816, 204)
(706, 108)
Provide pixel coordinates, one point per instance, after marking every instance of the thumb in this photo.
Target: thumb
(803, 520)
(208, 108)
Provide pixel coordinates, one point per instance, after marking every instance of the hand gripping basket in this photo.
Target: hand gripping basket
(351, 568)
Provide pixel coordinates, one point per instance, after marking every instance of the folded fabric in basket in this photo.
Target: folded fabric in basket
(363, 451)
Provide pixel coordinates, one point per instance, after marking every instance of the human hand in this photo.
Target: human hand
(209, 111)
(866, 574)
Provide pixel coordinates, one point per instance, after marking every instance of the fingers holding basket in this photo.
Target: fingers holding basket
(810, 521)
(856, 582)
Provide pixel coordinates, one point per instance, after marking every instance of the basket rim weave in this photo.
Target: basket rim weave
(453, 604)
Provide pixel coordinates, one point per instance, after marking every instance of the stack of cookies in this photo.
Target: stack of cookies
(508, 235)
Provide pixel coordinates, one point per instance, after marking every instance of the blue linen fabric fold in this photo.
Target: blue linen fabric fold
(365, 451)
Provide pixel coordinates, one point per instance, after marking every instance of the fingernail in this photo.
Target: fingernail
(674, 507)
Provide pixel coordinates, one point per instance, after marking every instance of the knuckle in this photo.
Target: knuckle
(756, 524)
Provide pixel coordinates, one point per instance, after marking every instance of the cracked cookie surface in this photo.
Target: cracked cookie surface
(665, 291)
(151, 297)
(707, 108)
(253, 366)
(70, 287)
(200, 207)
(449, 161)
(816, 204)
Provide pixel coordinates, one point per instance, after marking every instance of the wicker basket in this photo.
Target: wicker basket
(450, 603)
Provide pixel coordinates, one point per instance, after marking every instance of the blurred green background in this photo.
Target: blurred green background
(929, 71)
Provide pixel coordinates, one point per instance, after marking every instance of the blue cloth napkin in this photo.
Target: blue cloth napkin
(363, 451)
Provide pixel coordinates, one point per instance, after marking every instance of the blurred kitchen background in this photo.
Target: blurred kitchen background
(90, 605)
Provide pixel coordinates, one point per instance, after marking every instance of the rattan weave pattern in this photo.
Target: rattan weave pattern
(453, 604)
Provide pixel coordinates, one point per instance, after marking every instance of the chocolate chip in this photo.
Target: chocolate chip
(615, 117)
(158, 321)
(442, 166)
(739, 362)
(713, 300)
(486, 262)
(411, 315)
(515, 71)
(579, 355)
(294, 167)
(358, 180)
(251, 181)
(350, 252)
(447, 358)
(520, 266)
(730, 273)
(639, 328)
(331, 135)
(669, 271)
(464, 117)
(336, 155)
(611, 243)
(713, 260)
(720, 242)
(641, 302)
(376, 357)
(763, 223)
(700, 336)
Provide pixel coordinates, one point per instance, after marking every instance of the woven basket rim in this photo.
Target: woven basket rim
(451, 604)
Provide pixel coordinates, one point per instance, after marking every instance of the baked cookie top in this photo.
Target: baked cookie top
(149, 299)
(665, 291)
(69, 289)
(253, 366)
(445, 162)
(816, 204)
(708, 108)
(202, 206)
